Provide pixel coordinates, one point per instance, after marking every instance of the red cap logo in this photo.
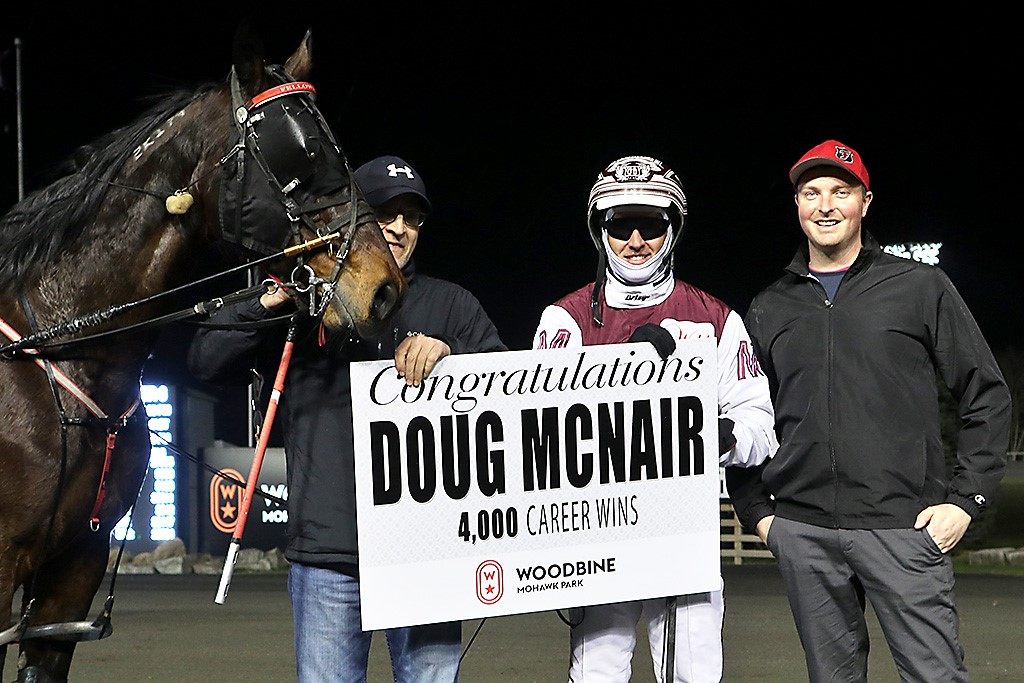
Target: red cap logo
(832, 153)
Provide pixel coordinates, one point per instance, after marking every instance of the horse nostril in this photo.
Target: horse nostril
(384, 300)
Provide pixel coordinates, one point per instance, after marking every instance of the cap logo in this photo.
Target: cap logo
(633, 172)
(844, 154)
(393, 171)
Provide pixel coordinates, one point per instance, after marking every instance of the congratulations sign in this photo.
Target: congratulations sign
(524, 481)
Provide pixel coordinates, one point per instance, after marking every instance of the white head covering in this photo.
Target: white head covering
(654, 269)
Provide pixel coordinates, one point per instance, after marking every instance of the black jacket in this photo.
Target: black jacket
(315, 410)
(855, 393)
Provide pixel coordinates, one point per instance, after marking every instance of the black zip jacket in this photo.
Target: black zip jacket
(854, 387)
(315, 409)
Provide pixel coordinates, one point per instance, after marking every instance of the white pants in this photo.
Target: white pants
(603, 642)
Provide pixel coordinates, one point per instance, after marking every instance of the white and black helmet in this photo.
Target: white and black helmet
(636, 180)
(633, 180)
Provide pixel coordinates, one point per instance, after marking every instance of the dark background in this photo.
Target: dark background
(509, 113)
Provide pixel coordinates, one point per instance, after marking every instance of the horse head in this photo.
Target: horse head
(289, 183)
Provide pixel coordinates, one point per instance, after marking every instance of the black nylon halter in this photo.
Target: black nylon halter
(296, 182)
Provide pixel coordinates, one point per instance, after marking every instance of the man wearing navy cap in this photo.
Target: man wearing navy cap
(437, 318)
(857, 503)
(395, 192)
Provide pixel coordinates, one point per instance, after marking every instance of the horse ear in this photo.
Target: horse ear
(301, 62)
(247, 57)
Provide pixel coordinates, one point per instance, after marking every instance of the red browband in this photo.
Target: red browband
(281, 91)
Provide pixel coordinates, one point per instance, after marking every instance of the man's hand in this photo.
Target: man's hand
(763, 526)
(417, 355)
(946, 523)
(275, 297)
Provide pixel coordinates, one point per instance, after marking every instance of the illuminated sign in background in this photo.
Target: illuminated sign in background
(155, 517)
(219, 500)
(925, 252)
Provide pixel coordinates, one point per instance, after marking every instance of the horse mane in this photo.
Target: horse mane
(36, 229)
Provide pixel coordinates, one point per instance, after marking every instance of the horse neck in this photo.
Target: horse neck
(134, 248)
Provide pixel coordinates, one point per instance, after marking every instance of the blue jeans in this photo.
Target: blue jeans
(330, 644)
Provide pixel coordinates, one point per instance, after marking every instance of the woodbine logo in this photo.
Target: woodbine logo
(561, 575)
(225, 497)
(490, 577)
(490, 582)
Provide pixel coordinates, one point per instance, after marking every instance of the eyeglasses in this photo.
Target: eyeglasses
(620, 222)
(412, 217)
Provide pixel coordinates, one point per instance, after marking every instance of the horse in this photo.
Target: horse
(249, 160)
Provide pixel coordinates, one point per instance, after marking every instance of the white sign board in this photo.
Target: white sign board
(524, 481)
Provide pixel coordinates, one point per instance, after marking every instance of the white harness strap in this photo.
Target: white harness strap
(62, 379)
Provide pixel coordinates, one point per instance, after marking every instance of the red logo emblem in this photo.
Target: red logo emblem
(490, 582)
(225, 497)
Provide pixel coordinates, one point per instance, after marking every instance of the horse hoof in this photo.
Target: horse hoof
(35, 674)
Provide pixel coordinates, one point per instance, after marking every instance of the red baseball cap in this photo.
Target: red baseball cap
(832, 153)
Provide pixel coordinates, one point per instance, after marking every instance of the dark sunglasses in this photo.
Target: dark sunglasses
(651, 223)
(413, 217)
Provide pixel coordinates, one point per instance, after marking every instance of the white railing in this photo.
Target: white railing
(735, 543)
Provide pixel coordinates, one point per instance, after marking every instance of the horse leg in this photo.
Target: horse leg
(6, 597)
(8, 589)
(64, 591)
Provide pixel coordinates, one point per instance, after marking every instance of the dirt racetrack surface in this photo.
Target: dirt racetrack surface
(168, 628)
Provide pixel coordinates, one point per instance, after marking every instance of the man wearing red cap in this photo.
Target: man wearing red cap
(857, 502)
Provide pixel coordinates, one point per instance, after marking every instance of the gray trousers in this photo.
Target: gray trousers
(829, 572)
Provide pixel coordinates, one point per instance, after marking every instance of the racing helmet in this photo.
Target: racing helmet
(633, 180)
(636, 180)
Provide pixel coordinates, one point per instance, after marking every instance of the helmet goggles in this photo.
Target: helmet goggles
(621, 221)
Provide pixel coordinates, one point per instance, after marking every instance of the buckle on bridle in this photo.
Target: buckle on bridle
(323, 232)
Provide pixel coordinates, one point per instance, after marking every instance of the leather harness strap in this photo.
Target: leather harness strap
(59, 376)
(99, 416)
(101, 492)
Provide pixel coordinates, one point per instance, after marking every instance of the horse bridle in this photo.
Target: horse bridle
(288, 183)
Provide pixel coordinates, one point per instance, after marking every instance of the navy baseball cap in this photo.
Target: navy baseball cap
(386, 177)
